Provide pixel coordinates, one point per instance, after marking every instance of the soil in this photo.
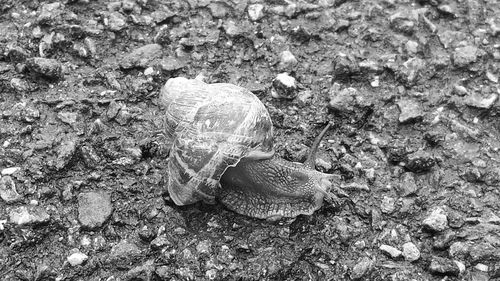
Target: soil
(411, 88)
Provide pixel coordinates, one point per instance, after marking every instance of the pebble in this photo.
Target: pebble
(391, 251)
(116, 21)
(361, 268)
(287, 61)
(19, 84)
(410, 252)
(77, 258)
(50, 13)
(411, 47)
(67, 117)
(284, 86)
(388, 205)
(411, 111)
(407, 185)
(94, 208)
(419, 161)
(436, 221)
(444, 266)
(142, 57)
(65, 153)
(478, 101)
(463, 56)
(124, 252)
(481, 267)
(255, 12)
(160, 242)
(49, 68)
(443, 240)
(10, 171)
(204, 247)
(8, 191)
(26, 215)
(411, 69)
(345, 66)
(343, 101)
(459, 250)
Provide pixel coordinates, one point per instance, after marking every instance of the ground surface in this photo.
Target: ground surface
(412, 88)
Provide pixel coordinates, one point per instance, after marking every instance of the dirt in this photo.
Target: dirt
(411, 88)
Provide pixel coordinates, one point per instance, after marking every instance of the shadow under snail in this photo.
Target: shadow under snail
(223, 149)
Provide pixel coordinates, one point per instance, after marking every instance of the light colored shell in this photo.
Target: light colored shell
(213, 127)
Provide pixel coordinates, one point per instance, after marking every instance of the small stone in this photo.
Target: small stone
(411, 47)
(443, 266)
(160, 242)
(481, 267)
(19, 84)
(419, 161)
(255, 12)
(170, 64)
(65, 153)
(391, 251)
(436, 221)
(49, 68)
(479, 276)
(116, 21)
(388, 205)
(77, 258)
(407, 185)
(345, 66)
(124, 252)
(204, 247)
(443, 240)
(287, 61)
(461, 266)
(478, 101)
(459, 250)
(211, 274)
(411, 111)
(410, 252)
(94, 208)
(463, 56)
(67, 117)
(361, 268)
(10, 171)
(142, 57)
(343, 101)
(8, 190)
(284, 86)
(26, 215)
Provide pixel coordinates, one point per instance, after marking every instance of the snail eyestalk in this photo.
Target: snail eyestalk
(311, 158)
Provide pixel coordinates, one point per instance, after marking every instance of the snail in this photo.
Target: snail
(222, 149)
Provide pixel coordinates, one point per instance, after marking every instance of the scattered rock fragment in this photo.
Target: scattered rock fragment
(343, 101)
(10, 171)
(420, 161)
(77, 258)
(94, 208)
(8, 190)
(407, 185)
(287, 61)
(436, 221)
(49, 68)
(124, 252)
(463, 56)
(142, 57)
(115, 21)
(479, 101)
(284, 86)
(388, 205)
(26, 215)
(361, 268)
(50, 13)
(65, 153)
(410, 252)
(255, 12)
(443, 266)
(411, 111)
(391, 251)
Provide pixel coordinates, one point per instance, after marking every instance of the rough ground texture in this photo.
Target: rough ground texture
(411, 86)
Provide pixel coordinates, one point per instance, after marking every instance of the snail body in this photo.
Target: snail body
(223, 150)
